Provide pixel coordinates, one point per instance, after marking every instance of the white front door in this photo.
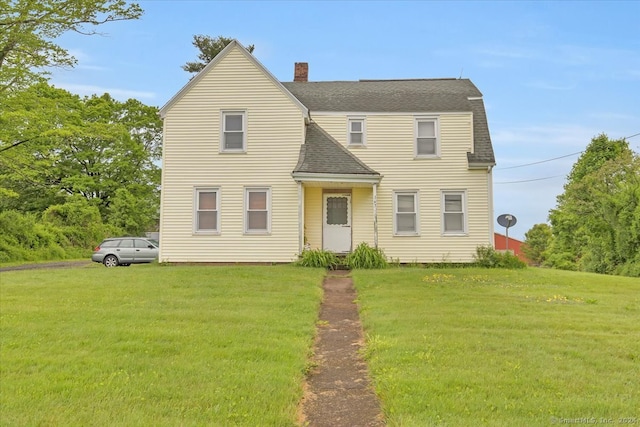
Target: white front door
(336, 229)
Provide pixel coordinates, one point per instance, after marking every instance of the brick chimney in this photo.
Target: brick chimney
(301, 72)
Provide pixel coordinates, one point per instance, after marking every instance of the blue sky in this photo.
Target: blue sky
(553, 74)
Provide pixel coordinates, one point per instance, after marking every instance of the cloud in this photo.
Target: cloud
(539, 137)
(120, 94)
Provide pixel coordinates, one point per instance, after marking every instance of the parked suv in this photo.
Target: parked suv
(125, 251)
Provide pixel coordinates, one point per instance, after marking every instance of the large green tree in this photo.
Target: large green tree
(28, 29)
(596, 223)
(209, 47)
(100, 149)
(537, 241)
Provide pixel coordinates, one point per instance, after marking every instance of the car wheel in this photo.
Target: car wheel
(110, 261)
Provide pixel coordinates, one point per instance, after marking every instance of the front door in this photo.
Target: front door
(336, 229)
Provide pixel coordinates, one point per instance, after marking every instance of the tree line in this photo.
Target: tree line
(72, 169)
(595, 225)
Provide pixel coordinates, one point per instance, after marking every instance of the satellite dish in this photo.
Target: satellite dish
(507, 220)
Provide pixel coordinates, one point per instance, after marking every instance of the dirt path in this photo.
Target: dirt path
(338, 392)
(54, 264)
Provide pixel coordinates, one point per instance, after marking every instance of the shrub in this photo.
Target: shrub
(488, 257)
(364, 256)
(318, 258)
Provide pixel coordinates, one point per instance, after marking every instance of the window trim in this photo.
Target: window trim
(436, 127)
(196, 209)
(248, 190)
(416, 201)
(223, 125)
(465, 229)
(361, 120)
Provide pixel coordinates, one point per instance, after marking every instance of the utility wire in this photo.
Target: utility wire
(541, 161)
(556, 158)
(529, 180)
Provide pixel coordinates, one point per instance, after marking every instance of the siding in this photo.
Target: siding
(192, 158)
(313, 216)
(390, 151)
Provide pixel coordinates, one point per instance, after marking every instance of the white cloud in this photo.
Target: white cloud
(121, 94)
(544, 137)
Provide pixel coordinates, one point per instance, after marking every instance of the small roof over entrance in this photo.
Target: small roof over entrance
(323, 159)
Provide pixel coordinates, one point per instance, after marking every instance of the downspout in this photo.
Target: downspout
(300, 218)
(490, 204)
(375, 216)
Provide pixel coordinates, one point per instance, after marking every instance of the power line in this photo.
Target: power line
(541, 161)
(529, 180)
(556, 158)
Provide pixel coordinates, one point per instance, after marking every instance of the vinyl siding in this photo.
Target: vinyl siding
(192, 159)
(313, 216)
(390, 151)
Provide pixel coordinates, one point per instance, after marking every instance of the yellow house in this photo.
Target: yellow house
(256, 170)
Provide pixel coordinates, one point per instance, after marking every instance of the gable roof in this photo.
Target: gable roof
(403, 96)
(234, 44)
(322, 154)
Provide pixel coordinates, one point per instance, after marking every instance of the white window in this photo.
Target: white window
(427, 141)
(207, 210)
(405, 218)
(257, 217)
(454, 212)
(234, 135)
(356, 132)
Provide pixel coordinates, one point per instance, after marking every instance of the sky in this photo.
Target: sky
(553, 74)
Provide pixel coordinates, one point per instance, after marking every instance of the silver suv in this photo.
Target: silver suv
(125, 251)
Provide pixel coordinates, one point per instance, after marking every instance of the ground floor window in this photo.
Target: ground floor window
(454, 212)
(206, 210)
(405, 216)
(257, 210)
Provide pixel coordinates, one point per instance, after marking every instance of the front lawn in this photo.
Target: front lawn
(502, 348)
(153, 345)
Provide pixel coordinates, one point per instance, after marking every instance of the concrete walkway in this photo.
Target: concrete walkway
(338, 391)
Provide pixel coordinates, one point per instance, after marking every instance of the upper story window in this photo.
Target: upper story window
(234, 132)
(356, 132)
(405, 218)
(427, 137)
(257, 218)
(207, 210)
(454, 212)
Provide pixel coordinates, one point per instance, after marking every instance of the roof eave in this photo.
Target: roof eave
(336, 177)
(481, 165)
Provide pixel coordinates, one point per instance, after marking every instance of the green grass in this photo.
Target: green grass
(153, 345)
(501, 348)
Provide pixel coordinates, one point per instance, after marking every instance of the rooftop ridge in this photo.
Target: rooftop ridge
(410, 80)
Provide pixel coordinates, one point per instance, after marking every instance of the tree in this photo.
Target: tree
(28, 28)
(596, 224)
(209, 47)
(89, 147)
(537, 240)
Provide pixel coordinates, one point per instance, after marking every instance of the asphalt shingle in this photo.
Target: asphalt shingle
(402, 96)
(321, 153)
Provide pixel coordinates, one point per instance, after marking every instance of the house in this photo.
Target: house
(503, 243)
(255, 169)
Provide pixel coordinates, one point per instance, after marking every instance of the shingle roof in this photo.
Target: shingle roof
(321, 153)
(402, 96)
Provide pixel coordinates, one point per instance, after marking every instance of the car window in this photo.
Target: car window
(141, 243)
(110, 244)
(155, 243)
(126, 243)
